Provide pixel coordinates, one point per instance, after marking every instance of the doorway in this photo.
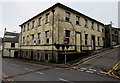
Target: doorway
(78, 42)
(16, 54)
(93, 42)
(31, 55)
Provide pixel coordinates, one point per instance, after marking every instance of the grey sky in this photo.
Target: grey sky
(12, 14)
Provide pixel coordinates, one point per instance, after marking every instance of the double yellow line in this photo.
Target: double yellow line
(111, 73)
(4, 78)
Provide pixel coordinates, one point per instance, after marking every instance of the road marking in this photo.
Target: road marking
(63, 79)
(5, 77)
(90, 71)
(83, 68)
(102, 72)
(80, 70)
(15, 65)
(28, 69)
(39, 72)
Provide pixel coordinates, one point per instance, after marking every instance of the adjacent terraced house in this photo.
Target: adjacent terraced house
(43, 36)
(10, 44)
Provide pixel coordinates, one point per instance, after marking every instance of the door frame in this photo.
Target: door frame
(76, 32)
(93, 47)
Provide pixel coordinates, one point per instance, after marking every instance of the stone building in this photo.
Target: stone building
(112, 35)
(42, 37)
(10, 44)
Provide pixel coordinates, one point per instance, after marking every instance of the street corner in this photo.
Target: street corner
(115, 72)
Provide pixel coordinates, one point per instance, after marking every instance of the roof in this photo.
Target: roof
(65, 7)
(11, 34)
(15, 39)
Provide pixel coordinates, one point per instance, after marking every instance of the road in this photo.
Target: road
(21, 71)
(102, 63)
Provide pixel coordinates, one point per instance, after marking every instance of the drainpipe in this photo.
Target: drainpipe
(52, 31)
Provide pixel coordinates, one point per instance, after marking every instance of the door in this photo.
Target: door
(31, 55)
(16, 54)
(93, 42)
(78, 42)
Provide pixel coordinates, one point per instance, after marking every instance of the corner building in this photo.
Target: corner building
(42, 37)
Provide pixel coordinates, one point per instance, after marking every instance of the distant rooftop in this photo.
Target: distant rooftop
(11, 33)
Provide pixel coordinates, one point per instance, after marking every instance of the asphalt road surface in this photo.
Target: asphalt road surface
(104, 61)
(20, 71)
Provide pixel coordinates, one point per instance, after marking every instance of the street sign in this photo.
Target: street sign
(65, 42)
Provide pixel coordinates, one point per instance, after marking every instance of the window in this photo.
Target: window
(39, 34)
(67, 16)
(102, 30)
(23, 40)
(47, 37)
(12, 44)
(32, 36)
(27, 40)
(86, 39)
(67, 35)
(24, 28)
(86, 23)
(98, 41)
(98, 28)
(77, 20)
(33, 24)
(40, 21)
(28, 26)
(92, 25)
(47, 18)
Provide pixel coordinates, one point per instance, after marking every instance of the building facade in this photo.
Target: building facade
(42, 37)
(10, 44)
(112, 35)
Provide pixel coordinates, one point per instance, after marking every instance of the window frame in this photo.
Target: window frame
(33, 24)
(39, 38)
(67, 36)
(77, 20)
(98, 27)
(47, 17)
(39, 21)
(23, 40)
(67, 17)
(92, 25)
(28, 26)
(86, 39)
(28, 40)
(33, 36)
(86, 23)
(47, 34)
